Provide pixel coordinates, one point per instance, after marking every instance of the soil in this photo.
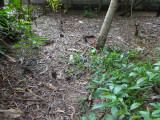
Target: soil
(40, 84)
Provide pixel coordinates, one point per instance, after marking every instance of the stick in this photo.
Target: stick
(21, 100)
(10, 58)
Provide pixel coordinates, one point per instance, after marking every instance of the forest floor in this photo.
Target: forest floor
(41, 86)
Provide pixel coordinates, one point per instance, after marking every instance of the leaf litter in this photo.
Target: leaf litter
(49, 81)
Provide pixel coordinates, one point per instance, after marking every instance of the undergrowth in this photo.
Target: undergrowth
(15, 28)
(89, 13)
(125, 88)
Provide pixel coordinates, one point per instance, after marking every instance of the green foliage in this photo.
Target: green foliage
(13, 27)
(123, 84)
(90, 13)
(56, 4)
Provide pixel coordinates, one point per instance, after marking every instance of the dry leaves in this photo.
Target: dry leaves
(12, 113)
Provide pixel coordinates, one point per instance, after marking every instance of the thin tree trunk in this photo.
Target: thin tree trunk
(107, 24)
(99, 6)
(1, 4)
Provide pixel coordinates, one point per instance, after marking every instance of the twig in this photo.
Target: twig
(21, 100)
(74, 111)
(10, 58)
(7, 45)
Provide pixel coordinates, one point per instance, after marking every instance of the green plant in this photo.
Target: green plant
(14, 28)
(56, 4)
(90, 13)
(65, 9)
(123, 84)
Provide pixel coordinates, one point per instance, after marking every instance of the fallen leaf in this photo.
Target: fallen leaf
(60, 111)
(30, 90)
(19, 89)
(50, 86)
(81, 83)
(80, 22)
(74, 50)
(12, 113)
(40, 55)
(40, 83)
(139, 48)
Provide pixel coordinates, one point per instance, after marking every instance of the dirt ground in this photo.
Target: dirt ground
(40, 85)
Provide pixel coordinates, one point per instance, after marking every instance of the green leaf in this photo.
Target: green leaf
(132, 74)
(152, 75)
(96, 94)
(144, 113)
(109, 117)
(111, 97)
(157, 48)
(93, 50)
(92, 116)
(134, 117)
(114, 111)
(1, 52)
(98, 106)
(158, 63)
(147, 118)
(122, 111)
(141, 80)
(117, 89)
(16, 46)
(156, 113)
(84, 118)
(156, 105)
(103, 89)
(156, 68)
(135, 105)
(134, 87)
(156, 119)
(130, 65)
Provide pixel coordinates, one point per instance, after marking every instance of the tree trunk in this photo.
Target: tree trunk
(1, 3)
(107, 24)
